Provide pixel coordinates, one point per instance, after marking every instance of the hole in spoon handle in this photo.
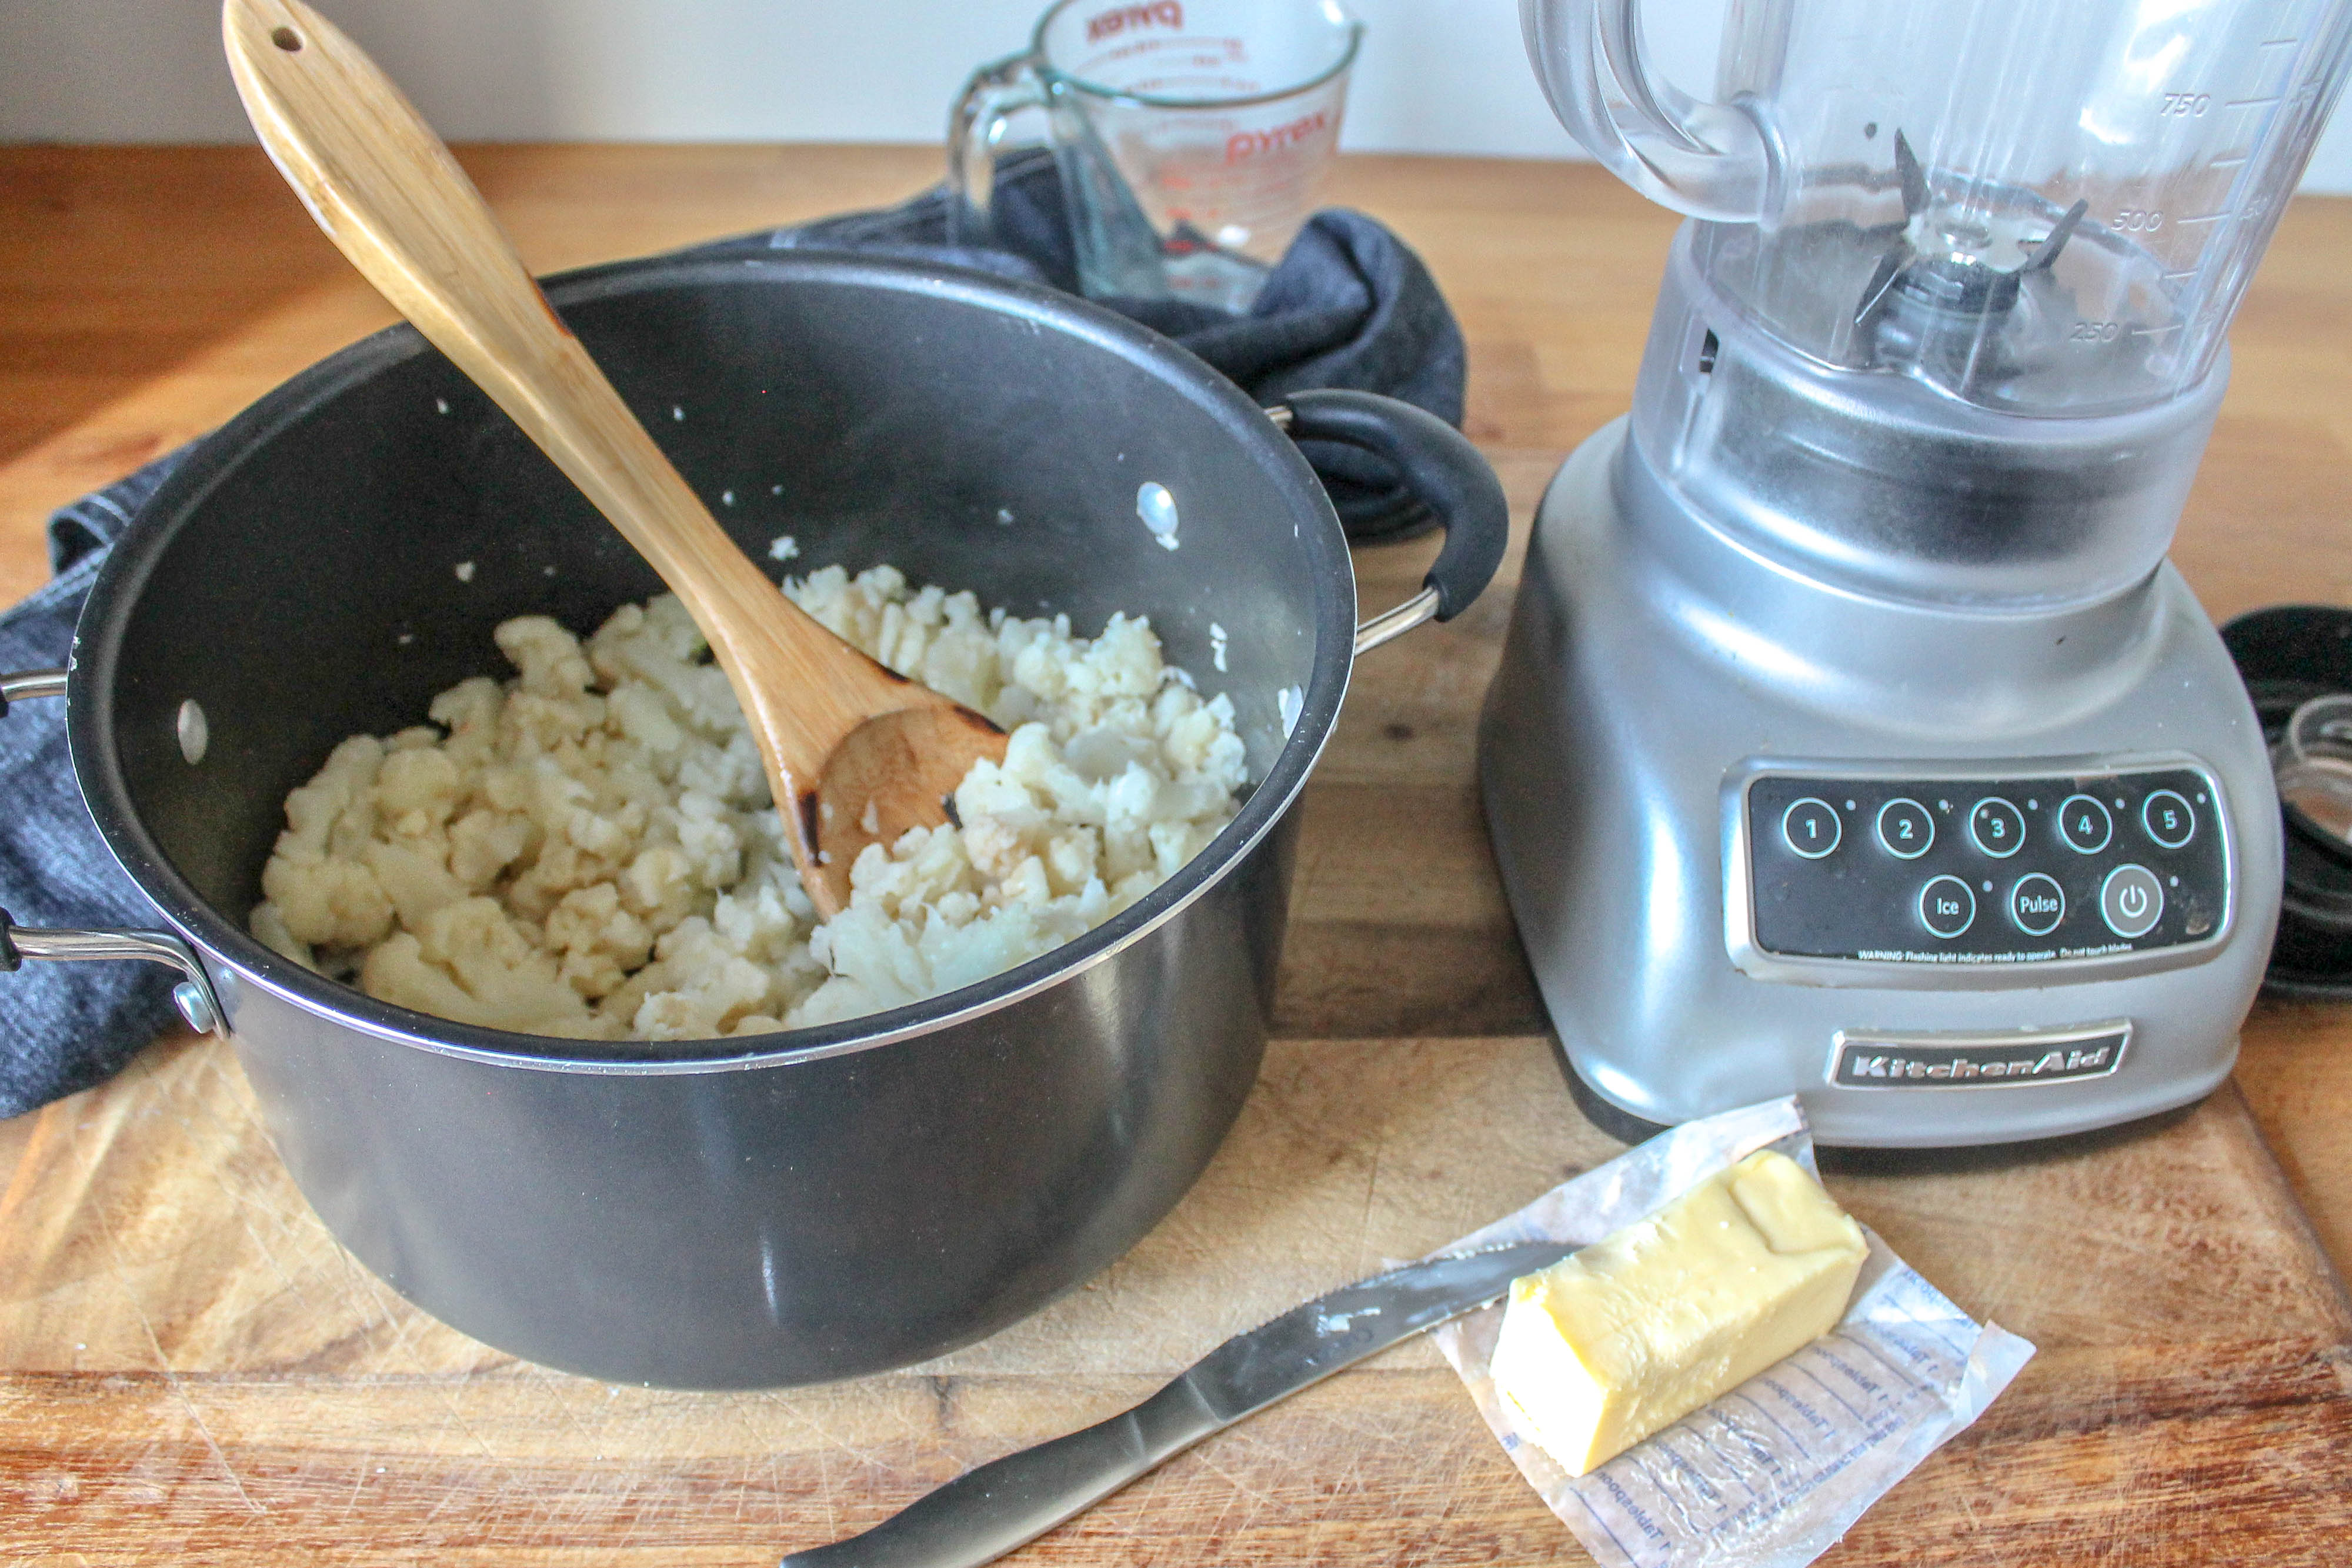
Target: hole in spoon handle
(287, 38)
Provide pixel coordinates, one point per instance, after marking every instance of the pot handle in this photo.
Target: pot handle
(194, 996)
(1442, 469)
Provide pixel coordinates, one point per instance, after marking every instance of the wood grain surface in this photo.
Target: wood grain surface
(191, 1370)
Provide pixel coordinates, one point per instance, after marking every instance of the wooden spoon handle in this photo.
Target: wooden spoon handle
(390, 195)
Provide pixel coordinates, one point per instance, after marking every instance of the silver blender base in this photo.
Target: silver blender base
(1639, 697)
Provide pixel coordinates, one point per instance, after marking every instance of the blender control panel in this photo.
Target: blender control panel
(2026, 868)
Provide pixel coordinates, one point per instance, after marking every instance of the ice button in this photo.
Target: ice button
(2037, 904)
(2131, 901)
(1947, 907)
(2168, 819)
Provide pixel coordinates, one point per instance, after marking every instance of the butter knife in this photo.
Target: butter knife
(1006, 1504)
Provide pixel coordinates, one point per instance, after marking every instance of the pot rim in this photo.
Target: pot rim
(98, 639)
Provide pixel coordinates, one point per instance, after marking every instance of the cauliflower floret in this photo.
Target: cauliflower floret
(589, 849)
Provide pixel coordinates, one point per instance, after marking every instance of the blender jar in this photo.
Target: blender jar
(1950, 323)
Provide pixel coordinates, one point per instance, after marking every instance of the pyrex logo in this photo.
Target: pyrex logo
(1244, 144)
(1110, 24)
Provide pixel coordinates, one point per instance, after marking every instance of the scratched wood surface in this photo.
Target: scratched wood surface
(191, 1370)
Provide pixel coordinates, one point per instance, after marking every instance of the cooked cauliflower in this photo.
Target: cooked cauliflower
(589, 849)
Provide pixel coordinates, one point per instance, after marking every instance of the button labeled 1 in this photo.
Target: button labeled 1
(1811, 828)
(2131, 901)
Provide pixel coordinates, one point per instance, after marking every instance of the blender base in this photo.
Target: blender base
(1657, 673)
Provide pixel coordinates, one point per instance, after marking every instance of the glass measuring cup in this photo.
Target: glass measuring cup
(2039, 207)
(1191, 137)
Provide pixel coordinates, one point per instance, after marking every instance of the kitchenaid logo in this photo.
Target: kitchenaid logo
(1249, 143)
(1111, 24)
(1859, 1061)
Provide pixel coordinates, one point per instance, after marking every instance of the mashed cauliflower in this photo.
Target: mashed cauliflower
(589, 849)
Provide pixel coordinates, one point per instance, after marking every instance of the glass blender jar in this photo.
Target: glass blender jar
(1854, 737)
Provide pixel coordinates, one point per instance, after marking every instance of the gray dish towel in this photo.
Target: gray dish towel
(1349, 306)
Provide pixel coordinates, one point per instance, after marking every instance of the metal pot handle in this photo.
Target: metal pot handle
(194, 996)
(1442, 469)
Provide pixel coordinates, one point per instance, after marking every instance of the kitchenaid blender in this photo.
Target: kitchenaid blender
(1854, 737)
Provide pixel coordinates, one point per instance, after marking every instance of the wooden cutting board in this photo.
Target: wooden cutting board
(192, 1370)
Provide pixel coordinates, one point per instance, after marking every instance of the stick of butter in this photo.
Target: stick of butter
(1637, 1330)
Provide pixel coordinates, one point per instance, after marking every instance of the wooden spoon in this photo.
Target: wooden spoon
(855, 752)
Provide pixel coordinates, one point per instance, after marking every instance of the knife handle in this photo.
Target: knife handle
(1006, 1504)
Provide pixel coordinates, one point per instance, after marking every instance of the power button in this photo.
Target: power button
(2131, 901)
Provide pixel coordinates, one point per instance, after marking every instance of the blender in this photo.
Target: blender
(1854, 737)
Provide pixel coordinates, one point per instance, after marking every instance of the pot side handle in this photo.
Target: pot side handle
(1442, 469)
(194, 996)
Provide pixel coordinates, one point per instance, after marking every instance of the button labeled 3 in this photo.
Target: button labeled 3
(2131, 901)
(1947, 907)
(1998, 827)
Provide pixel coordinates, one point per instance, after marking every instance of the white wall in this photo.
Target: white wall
(1436, 76)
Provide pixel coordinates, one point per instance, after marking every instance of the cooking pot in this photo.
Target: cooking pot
(798, 1206)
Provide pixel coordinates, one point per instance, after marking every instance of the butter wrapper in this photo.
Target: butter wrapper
(1773, 1473)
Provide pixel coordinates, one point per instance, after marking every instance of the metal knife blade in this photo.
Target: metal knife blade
(1006, 1504)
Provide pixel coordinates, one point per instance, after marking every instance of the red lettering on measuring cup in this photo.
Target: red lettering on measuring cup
(1244, 144)
(1110, 24)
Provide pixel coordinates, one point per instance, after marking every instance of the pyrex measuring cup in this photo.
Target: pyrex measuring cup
(1192, 136)
(2040, 207)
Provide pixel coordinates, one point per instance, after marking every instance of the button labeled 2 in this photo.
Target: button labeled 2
(1905, 829)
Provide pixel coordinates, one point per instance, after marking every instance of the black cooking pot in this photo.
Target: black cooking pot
(805, 1206)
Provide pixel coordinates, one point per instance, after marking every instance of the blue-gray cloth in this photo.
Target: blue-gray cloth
(1349, 306)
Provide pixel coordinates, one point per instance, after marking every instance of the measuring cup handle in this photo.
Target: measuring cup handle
(1714, 161)
(994, 95)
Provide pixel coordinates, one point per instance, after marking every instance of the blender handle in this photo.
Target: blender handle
(1713, 161)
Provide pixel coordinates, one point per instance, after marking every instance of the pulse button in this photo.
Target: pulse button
(2084, 824)
(1947, 907)
(2131, 901)
(1998, 827)
(2169, 819)
(2037, 904)
(1905, 829)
